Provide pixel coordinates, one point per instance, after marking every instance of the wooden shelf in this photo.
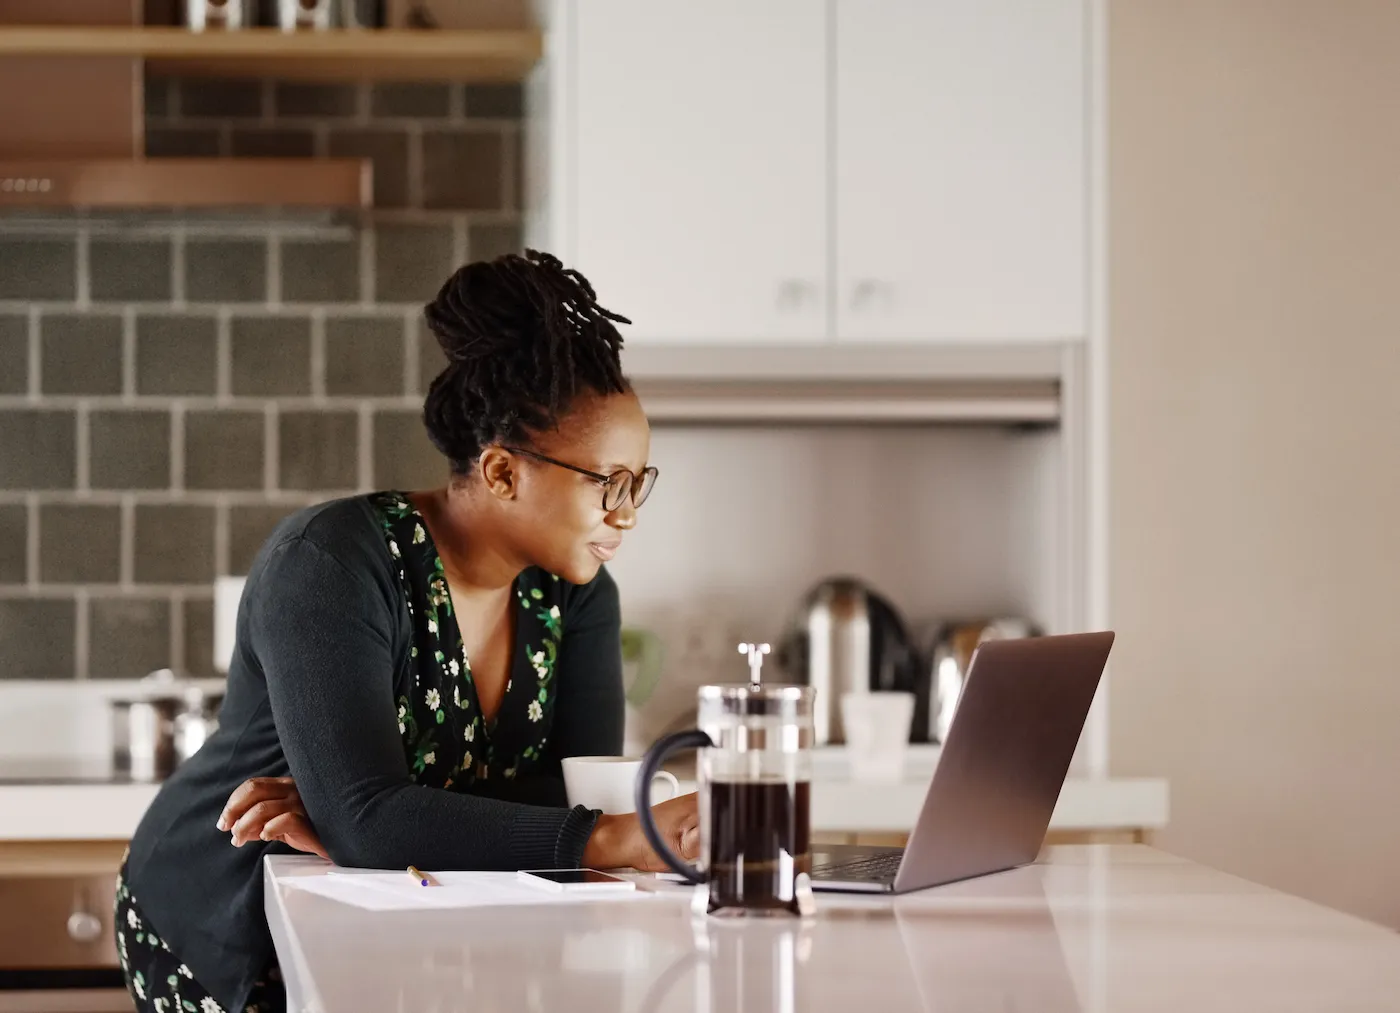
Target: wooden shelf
(383, 54)
(327, 183)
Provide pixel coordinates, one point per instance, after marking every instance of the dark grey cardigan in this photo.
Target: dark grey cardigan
(322, 652)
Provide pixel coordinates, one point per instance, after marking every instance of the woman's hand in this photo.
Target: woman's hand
(270, 809)
(617, 841)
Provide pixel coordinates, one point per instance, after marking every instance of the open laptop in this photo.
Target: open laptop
(999, 774)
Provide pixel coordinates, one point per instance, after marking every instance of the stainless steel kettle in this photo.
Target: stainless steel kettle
(846, 638)
(952, 654)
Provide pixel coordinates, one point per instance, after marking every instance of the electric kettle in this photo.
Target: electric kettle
(846, 638)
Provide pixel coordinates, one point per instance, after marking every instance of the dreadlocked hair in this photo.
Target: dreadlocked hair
(523, 336)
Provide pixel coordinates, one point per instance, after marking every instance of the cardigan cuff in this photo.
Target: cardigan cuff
(573, 836)
(552, 838)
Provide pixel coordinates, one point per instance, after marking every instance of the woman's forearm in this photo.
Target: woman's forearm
(408, 824)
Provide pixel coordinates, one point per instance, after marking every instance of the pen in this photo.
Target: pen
(423, 878)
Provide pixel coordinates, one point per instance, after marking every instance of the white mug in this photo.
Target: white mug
(877, 736)
(609, 783)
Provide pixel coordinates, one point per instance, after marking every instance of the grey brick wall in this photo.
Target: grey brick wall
(171, 386)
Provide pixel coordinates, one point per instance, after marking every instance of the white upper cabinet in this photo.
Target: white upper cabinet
(801, 171)
(698, 145)
(960, 172)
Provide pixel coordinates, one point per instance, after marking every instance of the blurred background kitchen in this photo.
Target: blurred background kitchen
(955, 320)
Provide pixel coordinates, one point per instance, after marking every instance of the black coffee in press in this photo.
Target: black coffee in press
(760, 839)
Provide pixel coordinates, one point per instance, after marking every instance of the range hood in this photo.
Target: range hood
(72, 135)
(1014, 385)
(185, 183)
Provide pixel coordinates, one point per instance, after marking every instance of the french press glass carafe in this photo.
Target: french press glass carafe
(754, 775)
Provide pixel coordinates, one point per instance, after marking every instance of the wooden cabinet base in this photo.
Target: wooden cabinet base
(57, 899)
(47, 859)
(66, 1000)
(57, 922)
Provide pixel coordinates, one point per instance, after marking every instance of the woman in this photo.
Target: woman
(417, 664)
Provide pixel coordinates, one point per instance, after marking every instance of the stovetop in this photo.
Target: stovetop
(62, 771)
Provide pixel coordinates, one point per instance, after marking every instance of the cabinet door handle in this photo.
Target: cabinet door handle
(795, 293)
(84, 927)
(865, 293)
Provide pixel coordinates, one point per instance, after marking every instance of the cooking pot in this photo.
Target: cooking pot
(161, 725)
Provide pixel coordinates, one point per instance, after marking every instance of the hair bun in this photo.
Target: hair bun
(466, 317)
(522, 336)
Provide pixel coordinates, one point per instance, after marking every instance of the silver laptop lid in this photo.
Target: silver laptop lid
(1000, 771)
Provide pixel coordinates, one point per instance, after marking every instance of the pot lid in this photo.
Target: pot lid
(165, 684)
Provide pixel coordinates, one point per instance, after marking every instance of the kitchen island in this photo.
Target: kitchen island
(1103, 928)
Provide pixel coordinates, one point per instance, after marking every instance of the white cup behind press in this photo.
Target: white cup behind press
(609, 783)
(877, 733)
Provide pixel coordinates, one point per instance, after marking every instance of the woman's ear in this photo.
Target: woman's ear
(497, 469)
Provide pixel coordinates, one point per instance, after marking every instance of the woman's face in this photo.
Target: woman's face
(559, 520)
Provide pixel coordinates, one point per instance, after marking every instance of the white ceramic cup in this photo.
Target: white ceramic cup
(609, 783)
(877, 733)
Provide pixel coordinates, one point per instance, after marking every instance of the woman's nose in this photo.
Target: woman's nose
(624, 518)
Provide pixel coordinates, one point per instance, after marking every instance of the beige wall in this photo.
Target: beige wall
(1255, 384)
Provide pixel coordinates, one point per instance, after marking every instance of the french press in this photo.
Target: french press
(754, 775)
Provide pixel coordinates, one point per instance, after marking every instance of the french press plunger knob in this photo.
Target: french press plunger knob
(755, 653)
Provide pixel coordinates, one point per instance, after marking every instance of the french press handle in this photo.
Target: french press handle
(659, 753)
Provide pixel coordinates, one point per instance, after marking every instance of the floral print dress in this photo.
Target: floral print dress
(447, 741)
(159, 982)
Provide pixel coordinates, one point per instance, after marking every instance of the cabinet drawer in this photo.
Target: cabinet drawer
(57, 922)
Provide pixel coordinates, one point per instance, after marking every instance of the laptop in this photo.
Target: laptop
(999, 774)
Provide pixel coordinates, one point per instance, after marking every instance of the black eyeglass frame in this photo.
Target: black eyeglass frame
(636, 481)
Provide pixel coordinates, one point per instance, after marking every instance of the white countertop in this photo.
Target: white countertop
(72, 812)
(96, 811)
(1098, 928)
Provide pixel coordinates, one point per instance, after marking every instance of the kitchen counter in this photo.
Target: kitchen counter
(1101, 928)
(69, 800)
(66, 800)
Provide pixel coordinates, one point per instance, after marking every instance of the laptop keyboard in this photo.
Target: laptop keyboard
(873, 868)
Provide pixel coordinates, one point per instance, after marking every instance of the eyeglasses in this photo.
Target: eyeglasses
(616, 487)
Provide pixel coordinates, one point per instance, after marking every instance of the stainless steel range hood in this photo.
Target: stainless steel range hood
(849, 384)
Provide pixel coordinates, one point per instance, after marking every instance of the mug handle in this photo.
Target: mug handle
(666, 775)
(693, 738)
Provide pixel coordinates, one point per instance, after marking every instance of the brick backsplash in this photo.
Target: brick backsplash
(173, 385)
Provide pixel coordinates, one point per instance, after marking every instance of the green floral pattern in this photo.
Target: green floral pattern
(447, 742)
(159, 982)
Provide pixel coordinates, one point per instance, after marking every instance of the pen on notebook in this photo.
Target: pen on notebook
(423, 878)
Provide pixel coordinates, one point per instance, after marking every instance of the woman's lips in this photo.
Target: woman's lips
(604, 550)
